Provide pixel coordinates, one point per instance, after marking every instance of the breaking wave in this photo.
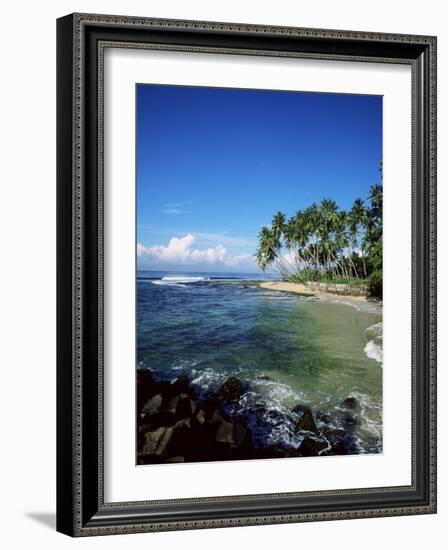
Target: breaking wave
(179, 281)
(374, 347)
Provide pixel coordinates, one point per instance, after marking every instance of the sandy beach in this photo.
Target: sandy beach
(298, 288)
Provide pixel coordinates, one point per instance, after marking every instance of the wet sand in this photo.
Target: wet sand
(299, 288)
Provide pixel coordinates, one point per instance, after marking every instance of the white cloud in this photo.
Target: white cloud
(172, 211)
(182, 250)
(176, 207)
(180, 204)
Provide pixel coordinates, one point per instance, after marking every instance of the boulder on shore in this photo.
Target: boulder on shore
(182, 385)
(156, 442)
(231, 389)
(311, 446)
(350, 403)
(153, 405)
(306, 420)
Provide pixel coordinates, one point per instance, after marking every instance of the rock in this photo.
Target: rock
(141, 431)
(145, 382)
(172, 404)
(306, 421)
(338, 440)
(339, 448)
(182, 406)
(231, 389)
(182, 385)
(148, 388)
(208, 408)
(152, 440)
(311, 446)
(181, 437)
(162, 418)
(350, 403)
(323, 418)
(334, 435)
(293, 453)
(240, 433)
(189, 440)
(173, 459)
(225, 433)
(259, 409)
(144, 375)
(217, 418)
(185, 407)
(276, 451)
(162, 447)
(145, 379)
(349, 420)
(157, 442)
(153, 405)
(144, 429)
(201, 417)
(142, 418)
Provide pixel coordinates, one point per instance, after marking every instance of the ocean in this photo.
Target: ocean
(285, 348)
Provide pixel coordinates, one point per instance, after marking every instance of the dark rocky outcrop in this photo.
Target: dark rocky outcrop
(312, 446)
(176, 425)
(349, 420)
(153, 405)
(306, 419)
(350, 403)
(231, 390)
(157, 442)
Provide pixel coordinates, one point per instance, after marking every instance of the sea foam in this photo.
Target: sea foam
(179, 281)
(373, 351)
(184, 279)
(374, 347)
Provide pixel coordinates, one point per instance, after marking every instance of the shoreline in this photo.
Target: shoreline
(303, 290)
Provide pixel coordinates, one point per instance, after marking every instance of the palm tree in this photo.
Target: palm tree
(328, 217)
(341, 241)
(376, 201)
(266, 251)
(358, 222)
(278, 224)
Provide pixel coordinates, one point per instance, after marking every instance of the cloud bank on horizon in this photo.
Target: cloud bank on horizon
(181, 251)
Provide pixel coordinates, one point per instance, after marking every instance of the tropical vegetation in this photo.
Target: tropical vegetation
(324, 243)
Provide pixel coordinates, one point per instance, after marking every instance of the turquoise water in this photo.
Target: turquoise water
(286, 349)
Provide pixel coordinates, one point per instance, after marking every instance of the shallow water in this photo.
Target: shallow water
(286, 348)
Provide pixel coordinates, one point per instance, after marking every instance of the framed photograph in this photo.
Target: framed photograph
(246, 274)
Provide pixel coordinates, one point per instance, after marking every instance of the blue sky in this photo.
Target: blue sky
(214, 165)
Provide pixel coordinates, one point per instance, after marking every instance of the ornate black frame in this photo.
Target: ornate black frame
(81, 39)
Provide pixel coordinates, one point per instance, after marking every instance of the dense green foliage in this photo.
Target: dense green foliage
(326, 244)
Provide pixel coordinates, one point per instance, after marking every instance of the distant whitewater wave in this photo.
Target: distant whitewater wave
(166, 283)
(184, 279)
(374, 347)
(178, 281)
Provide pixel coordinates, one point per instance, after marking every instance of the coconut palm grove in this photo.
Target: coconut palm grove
(324, 243)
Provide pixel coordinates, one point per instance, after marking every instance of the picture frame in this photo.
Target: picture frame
(81, 507)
